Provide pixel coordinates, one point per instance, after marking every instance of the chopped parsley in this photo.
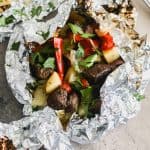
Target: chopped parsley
(20, 12)
(5, 21)
(138, 96)
(51, 5)
(89, 61)
(80, 51)
(86, 98)
(87, 35)
(49, 63)
(15, 46)
(78, 30)
(75, 28)
(36, 11)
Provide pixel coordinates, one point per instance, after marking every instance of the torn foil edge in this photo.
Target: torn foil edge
(117, 108)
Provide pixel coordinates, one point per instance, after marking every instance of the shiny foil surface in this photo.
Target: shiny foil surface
(43, 128)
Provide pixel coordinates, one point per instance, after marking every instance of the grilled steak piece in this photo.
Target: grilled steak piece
(58, 99)
(40, 73)
(116, 64)
(73, 102)
(99, 72)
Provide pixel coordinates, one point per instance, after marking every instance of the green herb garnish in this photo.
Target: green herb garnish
(2, 21)
(51, 5)
(138, 96)
(98, 52)
(15, 46)
(36, 11)
(10, 19)
(20, 12)
(75, 28)
(86, 98)
(78, 30)
(89, 61)
(80, 51)
(5, 21)
(87, 35)
(49, 63)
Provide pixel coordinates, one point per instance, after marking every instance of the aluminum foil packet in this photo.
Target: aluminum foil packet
(120, 92)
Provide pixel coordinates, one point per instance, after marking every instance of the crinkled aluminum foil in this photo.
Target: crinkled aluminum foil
(41, 128)
(119, 103)
(22, 12)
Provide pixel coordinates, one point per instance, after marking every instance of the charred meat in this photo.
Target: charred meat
(99, 71)
(58, 99)
(40, 73)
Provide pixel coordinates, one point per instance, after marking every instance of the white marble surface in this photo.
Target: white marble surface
(136, 134)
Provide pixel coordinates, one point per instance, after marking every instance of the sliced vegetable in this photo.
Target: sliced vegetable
(53, 82)
(87, 35)
(39, 97)
(111, 55)
(58, 43)
(139, 97)
(49, 63)
(15, 46)
(36, 11)
(71, 75)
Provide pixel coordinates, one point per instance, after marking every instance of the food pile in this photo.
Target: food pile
(79, 63)
(71, 67)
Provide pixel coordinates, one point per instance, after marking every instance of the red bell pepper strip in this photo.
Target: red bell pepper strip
(58, 43)
(66, 86)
